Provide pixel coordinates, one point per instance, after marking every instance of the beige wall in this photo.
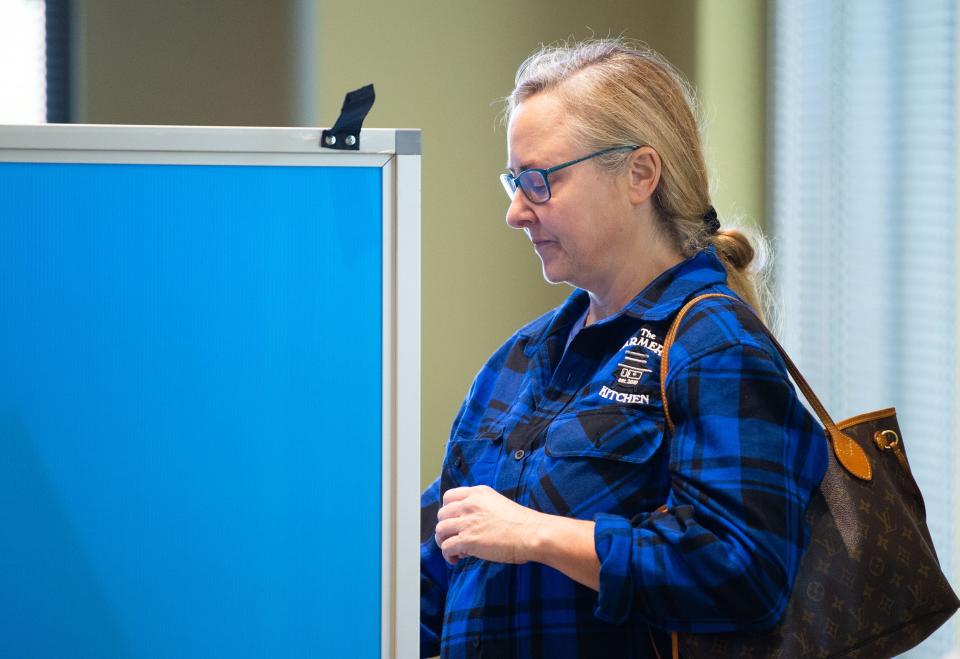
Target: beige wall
(212, 62)
(731, 78)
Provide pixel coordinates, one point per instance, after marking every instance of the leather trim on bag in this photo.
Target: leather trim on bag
(867, 416)
(851, 455)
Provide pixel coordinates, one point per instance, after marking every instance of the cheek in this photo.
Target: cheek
(585, 246)
(612, 228)
(593, 237)
(577, 235)
(599, 224)
(573, 235)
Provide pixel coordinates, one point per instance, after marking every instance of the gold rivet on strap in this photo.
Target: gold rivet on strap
(886, 439)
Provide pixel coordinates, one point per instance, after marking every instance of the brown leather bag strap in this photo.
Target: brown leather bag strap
(674, 644)
(848, 452)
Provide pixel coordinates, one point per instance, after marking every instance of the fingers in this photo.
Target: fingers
(447, 536)
(456, 494)
(446, 529)
(453, 517)
(450, 510)
(452, 549)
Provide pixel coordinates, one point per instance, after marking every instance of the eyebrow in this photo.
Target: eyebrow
(523, 167)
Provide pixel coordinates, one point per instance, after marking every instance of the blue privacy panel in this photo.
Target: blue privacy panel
(190, 411)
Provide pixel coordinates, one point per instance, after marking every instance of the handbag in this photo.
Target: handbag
(869, 583)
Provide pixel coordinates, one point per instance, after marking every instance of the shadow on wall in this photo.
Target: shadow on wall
(50, 602)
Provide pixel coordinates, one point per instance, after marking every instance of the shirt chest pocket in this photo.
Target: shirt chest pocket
(611, 461)
(472, 460)
(624, 436)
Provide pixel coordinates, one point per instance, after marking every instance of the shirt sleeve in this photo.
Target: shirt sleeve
(744, 459)
(433, 574)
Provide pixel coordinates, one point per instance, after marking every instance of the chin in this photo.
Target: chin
(554, 275)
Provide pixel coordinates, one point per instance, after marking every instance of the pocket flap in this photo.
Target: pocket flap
(606, 434)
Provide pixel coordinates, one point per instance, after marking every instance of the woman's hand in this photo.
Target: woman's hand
(479, 521)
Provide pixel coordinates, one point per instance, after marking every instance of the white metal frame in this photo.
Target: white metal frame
(397, 153)
(400, 636)
(953, 562)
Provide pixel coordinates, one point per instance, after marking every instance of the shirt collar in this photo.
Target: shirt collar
(661, 298)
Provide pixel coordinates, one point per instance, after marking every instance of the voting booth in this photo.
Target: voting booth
(209, 392)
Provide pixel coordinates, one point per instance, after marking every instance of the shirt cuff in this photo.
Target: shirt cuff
(613, 538)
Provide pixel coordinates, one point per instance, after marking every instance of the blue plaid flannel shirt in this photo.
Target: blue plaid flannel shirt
(580, 432)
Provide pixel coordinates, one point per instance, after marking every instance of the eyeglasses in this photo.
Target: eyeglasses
(534, 182)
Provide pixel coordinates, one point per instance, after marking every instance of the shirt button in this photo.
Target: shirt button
(457, 462)
(476, 642)
(518, 455)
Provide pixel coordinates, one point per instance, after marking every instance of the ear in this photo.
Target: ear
(643, 171)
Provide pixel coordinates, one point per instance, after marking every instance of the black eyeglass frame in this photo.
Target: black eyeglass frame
(511, 182)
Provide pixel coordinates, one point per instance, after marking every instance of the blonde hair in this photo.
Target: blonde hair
(622, 93)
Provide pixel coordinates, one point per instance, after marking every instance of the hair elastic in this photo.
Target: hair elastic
(711, 220)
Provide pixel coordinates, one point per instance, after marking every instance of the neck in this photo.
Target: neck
(612, 296)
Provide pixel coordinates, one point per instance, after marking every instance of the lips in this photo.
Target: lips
(542, 247)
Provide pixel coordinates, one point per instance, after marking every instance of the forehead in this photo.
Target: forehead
(538, 133)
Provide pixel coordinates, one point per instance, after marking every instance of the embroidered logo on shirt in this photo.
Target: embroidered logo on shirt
(634, 364)
(646, 339)
(621, 397)
(632, 368)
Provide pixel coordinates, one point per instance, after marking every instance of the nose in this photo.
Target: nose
(520, 212)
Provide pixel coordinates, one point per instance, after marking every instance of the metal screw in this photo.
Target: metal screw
(330, 140)
(351, 140)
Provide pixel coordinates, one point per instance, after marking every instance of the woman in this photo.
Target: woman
(566, 522)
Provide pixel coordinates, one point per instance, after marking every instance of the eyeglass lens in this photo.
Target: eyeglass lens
(532, 182)
(534, 185)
